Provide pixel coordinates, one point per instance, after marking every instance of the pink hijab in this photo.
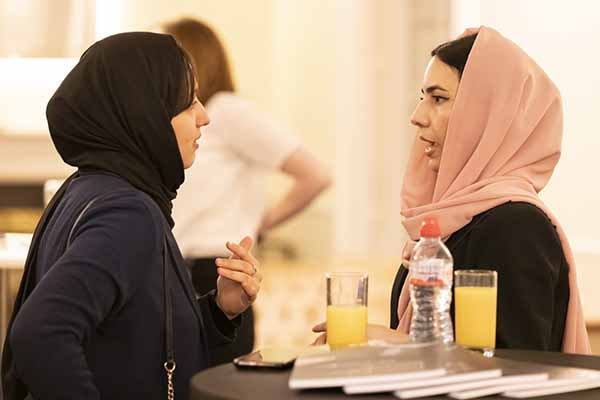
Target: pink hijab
(503, 142)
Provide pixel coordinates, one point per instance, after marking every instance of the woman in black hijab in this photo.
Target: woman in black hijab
(106, 309)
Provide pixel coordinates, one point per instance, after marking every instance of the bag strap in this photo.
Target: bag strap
(169, 364)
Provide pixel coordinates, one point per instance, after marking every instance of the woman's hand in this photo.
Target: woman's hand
(407, 252)
(374, 332)
(239, 279)
(322, 338)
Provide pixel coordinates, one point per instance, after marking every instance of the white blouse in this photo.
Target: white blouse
(223, 196)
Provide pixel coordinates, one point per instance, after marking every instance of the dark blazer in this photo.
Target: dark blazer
(519, 241)
(94, 328)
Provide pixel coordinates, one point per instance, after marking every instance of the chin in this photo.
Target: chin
(434, 165)
(189, 163)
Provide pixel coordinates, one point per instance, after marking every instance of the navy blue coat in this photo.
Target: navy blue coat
(94, 328)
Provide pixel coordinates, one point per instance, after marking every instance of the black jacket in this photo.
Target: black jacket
(518, 240)
(94, 328)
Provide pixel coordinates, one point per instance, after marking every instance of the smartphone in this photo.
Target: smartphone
(269, 357)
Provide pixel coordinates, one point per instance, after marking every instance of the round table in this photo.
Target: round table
(228, 382)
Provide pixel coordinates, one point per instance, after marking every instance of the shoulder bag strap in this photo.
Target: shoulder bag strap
(169, 364)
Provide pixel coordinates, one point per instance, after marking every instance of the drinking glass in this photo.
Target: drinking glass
(347, 294)
(475, 298)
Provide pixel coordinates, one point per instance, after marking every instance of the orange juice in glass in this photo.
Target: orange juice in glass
(347, 314)
(475, 303)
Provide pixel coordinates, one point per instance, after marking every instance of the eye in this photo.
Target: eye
(439, 99)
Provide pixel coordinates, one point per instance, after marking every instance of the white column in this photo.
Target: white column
(354, 128)
(395, 82)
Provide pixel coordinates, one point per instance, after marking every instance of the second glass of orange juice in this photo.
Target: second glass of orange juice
(475, 298)
(347, 315)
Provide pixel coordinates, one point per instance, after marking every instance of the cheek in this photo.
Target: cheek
(176, 130)
(440, 124)
(184, 130)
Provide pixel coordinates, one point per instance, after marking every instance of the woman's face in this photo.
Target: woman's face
(431, 115)
(187, 125)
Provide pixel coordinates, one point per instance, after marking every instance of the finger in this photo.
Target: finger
(407, 253)
(322, 339)
(258, 277)
(236, 265)
(241, 277)
(249, 285)
(242, 253)
(246, 243)
(242, 266)
(239, 251)
(251, 288)
(235, 276)
(322, 327)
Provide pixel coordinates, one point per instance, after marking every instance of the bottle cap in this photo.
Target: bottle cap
(430, 228)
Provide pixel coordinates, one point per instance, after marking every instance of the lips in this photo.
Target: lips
(195, 143)
(427, 141)
(429, 146)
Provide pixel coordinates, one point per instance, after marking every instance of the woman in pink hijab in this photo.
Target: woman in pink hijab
(488, 136)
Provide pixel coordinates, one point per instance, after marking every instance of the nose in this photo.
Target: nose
(419, 116)
(202, 118)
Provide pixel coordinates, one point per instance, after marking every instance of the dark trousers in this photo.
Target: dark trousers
(204, 278)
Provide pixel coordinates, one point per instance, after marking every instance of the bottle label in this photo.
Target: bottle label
(427, 273)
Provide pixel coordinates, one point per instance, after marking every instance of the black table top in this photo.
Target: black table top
(228, 382)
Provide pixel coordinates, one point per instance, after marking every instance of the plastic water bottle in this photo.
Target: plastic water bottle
(431, 287)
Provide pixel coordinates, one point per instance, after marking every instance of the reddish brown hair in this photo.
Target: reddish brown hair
(213, 73)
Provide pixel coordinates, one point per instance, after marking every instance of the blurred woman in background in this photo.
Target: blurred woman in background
(224, 194)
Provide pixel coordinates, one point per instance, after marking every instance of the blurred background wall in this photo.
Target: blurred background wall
(344, 74)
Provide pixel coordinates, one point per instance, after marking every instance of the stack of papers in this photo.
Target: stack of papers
(420, 370)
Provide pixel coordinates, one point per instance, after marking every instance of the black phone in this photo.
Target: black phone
(272, 357)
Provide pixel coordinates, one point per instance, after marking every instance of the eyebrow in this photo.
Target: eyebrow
(430, 89)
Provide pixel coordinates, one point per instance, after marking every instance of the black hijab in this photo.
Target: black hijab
(113, 112)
